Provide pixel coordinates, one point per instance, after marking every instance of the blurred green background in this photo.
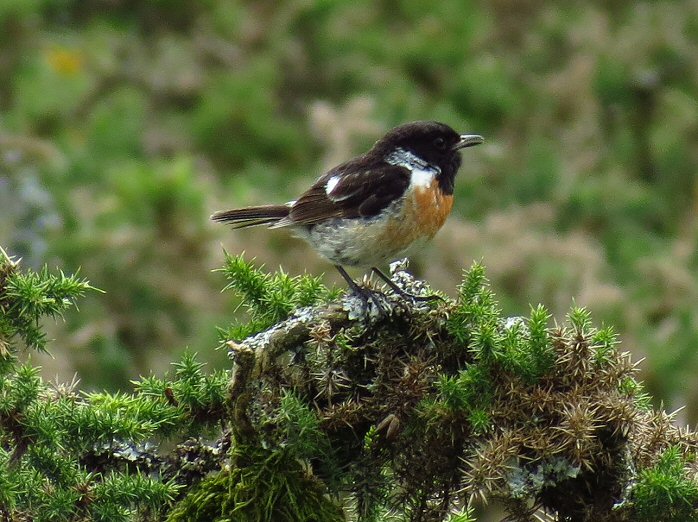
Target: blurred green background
(125, 124)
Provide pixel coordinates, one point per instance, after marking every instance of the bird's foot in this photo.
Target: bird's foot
(399, 266)
(374, 303)
(366, 303)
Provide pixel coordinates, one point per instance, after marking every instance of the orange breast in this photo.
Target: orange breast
(424, 213)
(431, 208)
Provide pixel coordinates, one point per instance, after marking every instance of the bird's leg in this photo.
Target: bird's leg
(399, 291)
(363, 293)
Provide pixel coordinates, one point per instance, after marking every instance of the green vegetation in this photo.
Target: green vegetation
(277, 488)
(269, 298)
(124, 127)
(26, 297)
(664, 491)
(333, 413)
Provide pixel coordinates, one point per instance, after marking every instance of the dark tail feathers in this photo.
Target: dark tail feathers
(252, 216)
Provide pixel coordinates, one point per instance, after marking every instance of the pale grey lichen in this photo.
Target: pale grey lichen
(514, 322)
(406, 281)
(526, 482)
(370, 309)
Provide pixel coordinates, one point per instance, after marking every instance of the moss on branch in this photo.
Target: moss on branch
(429, 407)
(336, 409)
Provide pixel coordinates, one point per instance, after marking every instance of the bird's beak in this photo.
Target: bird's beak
(468, 140)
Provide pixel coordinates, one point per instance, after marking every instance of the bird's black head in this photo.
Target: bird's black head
(432, 142)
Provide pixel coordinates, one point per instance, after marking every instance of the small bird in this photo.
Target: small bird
(377, 207)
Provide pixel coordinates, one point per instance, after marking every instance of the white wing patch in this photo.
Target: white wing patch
(331, 184)
(421, 173)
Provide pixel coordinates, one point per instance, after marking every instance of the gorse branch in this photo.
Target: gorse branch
(26, 297)
(333, 412)
(431, 407)
(269, 298)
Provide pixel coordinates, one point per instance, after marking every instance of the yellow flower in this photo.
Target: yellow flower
(64, 61)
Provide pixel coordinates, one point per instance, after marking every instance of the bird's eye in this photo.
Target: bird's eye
(440, 143)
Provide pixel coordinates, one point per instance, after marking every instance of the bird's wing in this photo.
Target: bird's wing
(349, 193)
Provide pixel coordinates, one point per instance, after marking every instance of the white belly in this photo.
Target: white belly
(361, 243)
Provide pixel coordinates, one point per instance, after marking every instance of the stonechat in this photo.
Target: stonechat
(377, 207)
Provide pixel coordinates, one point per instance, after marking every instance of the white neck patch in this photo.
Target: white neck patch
(423, 173)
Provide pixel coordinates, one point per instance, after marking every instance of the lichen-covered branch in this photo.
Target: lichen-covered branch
(343, 409)
(426, 408)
